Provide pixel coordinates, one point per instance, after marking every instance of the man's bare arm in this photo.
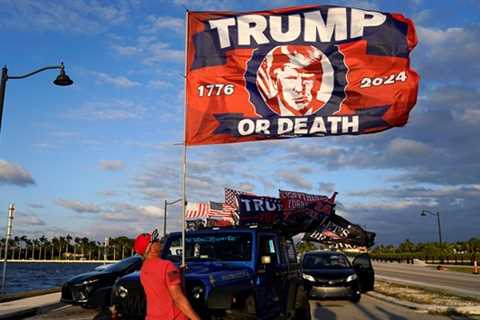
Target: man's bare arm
(181, 302)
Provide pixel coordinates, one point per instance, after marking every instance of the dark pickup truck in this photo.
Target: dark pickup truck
(237, 272)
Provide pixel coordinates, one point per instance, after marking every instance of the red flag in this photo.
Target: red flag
(297, 72)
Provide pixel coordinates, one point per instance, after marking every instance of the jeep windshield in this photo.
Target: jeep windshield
(224, 246)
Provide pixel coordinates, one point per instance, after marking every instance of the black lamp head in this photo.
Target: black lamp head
(63, 79)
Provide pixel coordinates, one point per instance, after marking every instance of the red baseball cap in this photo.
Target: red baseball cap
(141, 243)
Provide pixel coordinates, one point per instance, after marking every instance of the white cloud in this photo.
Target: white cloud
(471, 116)
(327, 187)
(127, 50)
(78, 206)
(158, 84)
(448, 54)
(127, 212)
(28, 219)
(295, 180)
(408, 147)
(81, 16)
(14, 174)
(112, 110)
(117, 81)
(112, 165)
(207, 4)
(162, 24)
(161, 52)
(150, 51)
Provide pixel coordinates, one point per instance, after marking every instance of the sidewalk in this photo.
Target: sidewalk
(20, 308)
(431, 308)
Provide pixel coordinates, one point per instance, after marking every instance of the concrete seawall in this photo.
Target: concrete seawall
(65, 261)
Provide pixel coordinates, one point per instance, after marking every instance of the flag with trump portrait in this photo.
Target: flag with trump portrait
(297, 72)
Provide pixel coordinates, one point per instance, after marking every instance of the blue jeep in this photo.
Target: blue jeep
(232, 273)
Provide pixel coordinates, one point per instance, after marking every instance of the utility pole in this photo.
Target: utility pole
(11, 213)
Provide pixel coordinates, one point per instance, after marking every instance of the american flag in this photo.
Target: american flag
(216, 210)
(231, 197)
(324, 235)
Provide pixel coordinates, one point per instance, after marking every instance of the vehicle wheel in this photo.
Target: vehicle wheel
(249, 306)
(302, 305)
(355, 298)
(104, 314)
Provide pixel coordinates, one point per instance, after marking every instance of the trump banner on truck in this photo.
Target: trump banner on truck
(259, 209)
(297, 72)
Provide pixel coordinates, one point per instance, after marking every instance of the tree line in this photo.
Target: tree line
(66, 248)
(460, 251)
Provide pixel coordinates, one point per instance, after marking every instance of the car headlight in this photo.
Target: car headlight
(352, 277)
(308, 277)
(197, 292)
(122, 292)
(89, 282)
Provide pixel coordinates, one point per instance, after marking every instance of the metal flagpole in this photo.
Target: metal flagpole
(184, 183)
(11, 212)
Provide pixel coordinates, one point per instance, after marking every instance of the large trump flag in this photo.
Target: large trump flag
(297, 72)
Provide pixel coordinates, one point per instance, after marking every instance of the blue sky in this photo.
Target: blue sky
(99, 158)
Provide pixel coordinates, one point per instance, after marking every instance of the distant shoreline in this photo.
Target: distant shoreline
(65, 261)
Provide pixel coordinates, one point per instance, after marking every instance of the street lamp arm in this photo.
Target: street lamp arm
(173, 202)
(437, 214)
(61, 80)
(430, 212)
(35, 72)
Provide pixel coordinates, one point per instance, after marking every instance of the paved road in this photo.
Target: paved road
(368, 308)
(455, 282)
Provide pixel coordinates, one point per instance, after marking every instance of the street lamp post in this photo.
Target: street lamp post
(424, 213)
(61, 80)
(165, 215)
(11, 213)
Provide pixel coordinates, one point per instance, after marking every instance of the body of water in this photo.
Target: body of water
(22, 277)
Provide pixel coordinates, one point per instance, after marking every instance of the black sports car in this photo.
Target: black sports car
(93, 289)
(331, 275)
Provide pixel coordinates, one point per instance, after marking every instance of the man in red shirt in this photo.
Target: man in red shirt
(162, 283)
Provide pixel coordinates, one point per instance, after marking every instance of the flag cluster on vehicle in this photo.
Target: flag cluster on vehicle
(293, 211)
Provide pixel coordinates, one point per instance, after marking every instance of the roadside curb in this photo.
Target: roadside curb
(30, 312)
(431, 308)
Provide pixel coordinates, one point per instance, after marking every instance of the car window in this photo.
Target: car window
(325, 261)
(123, 265)
(266, 246)
(228, 246)
(363, 261)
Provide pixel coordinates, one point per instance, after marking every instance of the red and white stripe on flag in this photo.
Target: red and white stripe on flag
(197, 210)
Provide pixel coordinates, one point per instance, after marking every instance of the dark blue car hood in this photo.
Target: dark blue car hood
(330, 273)
(90, 276)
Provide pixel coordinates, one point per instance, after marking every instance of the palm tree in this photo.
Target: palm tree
(35, 242)
(77, 241)
(43, 240)
(68, 239)
(84, 242)
(62, 244)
